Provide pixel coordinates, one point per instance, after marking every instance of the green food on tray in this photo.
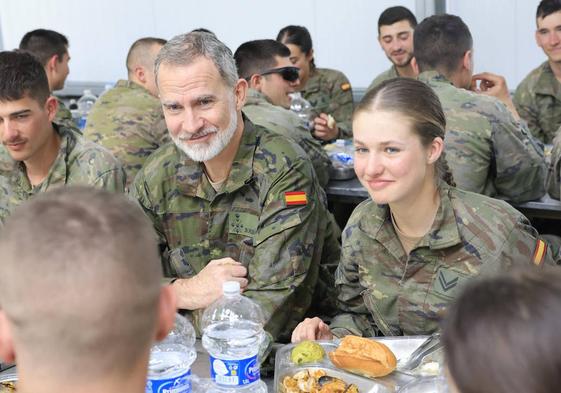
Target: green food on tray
(307, 352)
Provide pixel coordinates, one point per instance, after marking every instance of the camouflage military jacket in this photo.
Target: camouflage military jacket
(277, 119)
(79, 162)
(383, 290)
(270, 215)
(64, 117)
(129, 122)
(329, 91)
(384, 76)
(488, 151)
(538, 101)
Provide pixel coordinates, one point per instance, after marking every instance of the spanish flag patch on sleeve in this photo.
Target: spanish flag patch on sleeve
(345, 86)
(295, 198)
(539, 252)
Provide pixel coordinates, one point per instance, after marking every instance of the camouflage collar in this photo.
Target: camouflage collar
(255, 97)
(193, 182)
(433, 76)
(129, 84)
(547, 84)
(314, 82)
(444, 232)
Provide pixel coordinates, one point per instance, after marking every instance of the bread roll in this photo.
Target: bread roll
(364, 356)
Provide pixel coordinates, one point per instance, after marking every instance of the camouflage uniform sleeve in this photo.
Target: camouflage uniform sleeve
(523, 100)
(140, 194)
(519, 159)
(160, 132)
(353, 318)
(525, 248)
(342, 96)
(112, 179)
(286, 248)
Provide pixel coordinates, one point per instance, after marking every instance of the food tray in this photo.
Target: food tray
(402, 347)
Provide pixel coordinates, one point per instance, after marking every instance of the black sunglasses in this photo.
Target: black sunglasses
(289, 74)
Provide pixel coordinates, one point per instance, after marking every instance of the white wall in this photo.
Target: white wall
(101, 31)
(503, 35)
(344, 32)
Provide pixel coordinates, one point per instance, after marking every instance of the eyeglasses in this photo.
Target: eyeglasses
(289, 74)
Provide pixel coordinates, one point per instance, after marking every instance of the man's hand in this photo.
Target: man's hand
(325, 128)
(311, 329)
(495, 86)
(204, 288)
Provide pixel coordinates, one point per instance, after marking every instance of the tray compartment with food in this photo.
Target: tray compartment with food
(288, 364)
(8, 379)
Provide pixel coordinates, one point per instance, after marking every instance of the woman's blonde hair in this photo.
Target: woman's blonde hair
(419, 104)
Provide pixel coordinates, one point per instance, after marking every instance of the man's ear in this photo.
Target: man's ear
(140, 74)
(240, 91)
(166, 312)
(467, 60)
(51, 106)
(256, 82)
(7, 351)
(52, 63)
(415, 66)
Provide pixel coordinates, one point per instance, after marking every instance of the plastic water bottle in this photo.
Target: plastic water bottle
(302, 108)
(232, 335)
(85, 104)
(169, 369)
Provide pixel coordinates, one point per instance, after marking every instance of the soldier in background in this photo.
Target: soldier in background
(81, 295)
(51, 49)
(230, 200)
(128, 119)
(395, 35)
(409, 249)
(538, 97)
(37, 154)
(266, 66)
(329, 91)
(490, 151)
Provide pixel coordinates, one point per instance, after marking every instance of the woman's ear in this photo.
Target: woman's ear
(435, 150)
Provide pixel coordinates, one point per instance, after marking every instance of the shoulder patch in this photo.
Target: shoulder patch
(345, 86)
(294, 198)
(539, 252)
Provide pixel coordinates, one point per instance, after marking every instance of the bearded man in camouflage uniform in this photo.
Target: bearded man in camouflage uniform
(128, 119)
(265, 64)
(538, 97)
(37, 154)
(489, 150)
(51, 49)
(230, 199)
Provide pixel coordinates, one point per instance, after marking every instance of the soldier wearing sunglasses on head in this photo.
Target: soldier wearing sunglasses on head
(266, 66)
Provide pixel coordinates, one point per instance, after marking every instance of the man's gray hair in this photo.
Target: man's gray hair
(184, 49)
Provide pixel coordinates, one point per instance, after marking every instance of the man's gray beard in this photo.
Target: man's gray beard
(207, 151)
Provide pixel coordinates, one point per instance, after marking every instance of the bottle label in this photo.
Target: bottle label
(238, 372)
(181, 384)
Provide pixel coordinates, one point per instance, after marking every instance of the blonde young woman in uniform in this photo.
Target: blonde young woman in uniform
(329, 91)
(410, 248)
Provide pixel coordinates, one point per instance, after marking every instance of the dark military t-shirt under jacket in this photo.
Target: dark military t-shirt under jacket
(382, 290)
(270, 215)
